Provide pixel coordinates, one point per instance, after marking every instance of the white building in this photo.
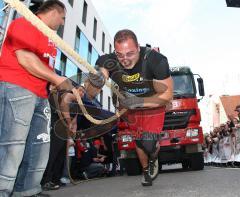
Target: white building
(86, 34)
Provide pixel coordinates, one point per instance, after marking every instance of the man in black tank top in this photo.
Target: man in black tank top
(143, 78)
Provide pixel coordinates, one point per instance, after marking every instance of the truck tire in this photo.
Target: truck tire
(133, 166)
(197, 161)
(159, 166)
(185, 164)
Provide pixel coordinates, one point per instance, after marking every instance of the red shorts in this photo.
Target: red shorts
(150, 120)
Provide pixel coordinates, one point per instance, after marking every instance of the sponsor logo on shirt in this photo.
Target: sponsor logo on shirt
(131, 78)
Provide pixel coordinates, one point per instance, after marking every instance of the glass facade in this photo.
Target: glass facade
(94, 57)
(60, 63)
(60, 31)
(85, 49)
(89, 57)
(71, 70)
(2, 13)
(2, 16)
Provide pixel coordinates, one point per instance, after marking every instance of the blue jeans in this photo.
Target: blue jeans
(24, 140)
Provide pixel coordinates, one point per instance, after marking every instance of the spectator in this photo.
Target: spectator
(91, 165)
(26, 68)
(237, 109)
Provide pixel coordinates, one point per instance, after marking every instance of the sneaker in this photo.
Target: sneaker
(85, 176)
(146, 179)
(50, 186)
(153, 168)
(65, 180)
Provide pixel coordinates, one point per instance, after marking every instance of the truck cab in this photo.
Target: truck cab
(182, 136)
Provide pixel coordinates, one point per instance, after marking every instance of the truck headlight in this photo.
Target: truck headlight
(164, 135)
(127, 138)
(192, 133)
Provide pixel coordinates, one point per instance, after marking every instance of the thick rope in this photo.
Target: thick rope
(89, 117)
(24, 11)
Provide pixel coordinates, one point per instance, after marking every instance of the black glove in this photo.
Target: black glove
(97, 80)
(130, 101)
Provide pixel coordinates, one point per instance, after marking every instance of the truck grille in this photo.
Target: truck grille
(177, 119)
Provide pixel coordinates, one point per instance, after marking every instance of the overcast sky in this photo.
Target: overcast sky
(202, 34)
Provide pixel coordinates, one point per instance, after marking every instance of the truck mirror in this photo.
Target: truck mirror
(200, 87)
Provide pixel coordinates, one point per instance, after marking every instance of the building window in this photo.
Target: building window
(2, 14)
(60, 31)
(89, 57)
(15, 15)
(60, 63)
(103, 41)
(83, 48)
(34, 5)
(109, 103)
(70, 2)
(84, 16)
(79, 76)
(110, 48)
(77, 40)
(95, 29)
(101, 97)
(71, 71)
(94, 57)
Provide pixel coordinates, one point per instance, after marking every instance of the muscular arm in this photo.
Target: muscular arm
(30, 62)
(66, 100)
(64, 105)
(164, 93)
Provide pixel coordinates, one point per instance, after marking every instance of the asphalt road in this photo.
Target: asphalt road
(171, 182)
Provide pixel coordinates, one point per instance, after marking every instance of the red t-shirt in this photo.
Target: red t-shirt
(23, 35)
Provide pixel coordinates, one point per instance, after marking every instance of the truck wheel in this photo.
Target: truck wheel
(197, 161)
(185, 164)
(159, 166)
(133, 166)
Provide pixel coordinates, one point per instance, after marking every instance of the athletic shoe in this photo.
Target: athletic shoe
(50, 186)
(146, 179)
(65, 180)
(153, 168)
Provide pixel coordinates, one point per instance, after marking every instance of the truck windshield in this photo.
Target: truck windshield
(183, 86)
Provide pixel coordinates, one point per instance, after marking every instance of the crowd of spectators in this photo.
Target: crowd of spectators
(222, 145)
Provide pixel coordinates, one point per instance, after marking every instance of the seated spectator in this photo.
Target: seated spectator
(91, 164)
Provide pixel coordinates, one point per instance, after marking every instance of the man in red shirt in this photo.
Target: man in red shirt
(26, 67)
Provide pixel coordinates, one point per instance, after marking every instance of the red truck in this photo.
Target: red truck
(182, 136)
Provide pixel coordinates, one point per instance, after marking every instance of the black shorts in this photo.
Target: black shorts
(147, 142)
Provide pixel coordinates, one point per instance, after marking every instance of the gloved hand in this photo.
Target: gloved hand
(130, 101)
(97, 80)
